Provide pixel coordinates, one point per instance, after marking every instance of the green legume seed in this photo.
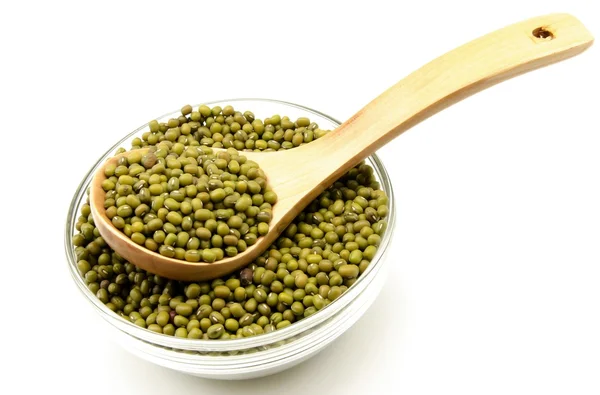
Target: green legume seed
(298, 294)
(348, 271)
(208, 256)
(222, 291)
(193, 256)
(195, 333)
(251, 305)
(334, 293)
(162, 318)
(231, 325)
(283, 324)
(124, 211)
(286, 299)
(169, 330)
(174, 218)
(151, 319)
(192, 291)
(193, 324)
(186, 110)
(215, 331)
(246, 320)
(203, 311)
(181, 332)
(297, 308)
(218, 304)
(237, 310)
(155, 328)
(140, 322)
(318, 301)
(184, 309)
(138, 238)
(216, 318)
(180, 321)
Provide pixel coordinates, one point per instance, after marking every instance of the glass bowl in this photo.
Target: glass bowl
(255, 356)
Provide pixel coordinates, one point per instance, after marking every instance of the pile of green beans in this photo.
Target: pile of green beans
(315, 260)
(226, 128)
(188, 202)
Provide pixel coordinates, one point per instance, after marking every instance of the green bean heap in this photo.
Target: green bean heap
(188, 202)
(315, 260)
(226, 128)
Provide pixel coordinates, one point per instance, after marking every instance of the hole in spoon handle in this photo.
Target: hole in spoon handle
(542, 33)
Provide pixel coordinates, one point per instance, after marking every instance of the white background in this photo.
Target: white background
(495, 285)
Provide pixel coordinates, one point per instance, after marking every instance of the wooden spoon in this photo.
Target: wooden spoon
(301, 174)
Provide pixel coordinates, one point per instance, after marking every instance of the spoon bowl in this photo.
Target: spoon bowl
(299, 175)
(287, 207)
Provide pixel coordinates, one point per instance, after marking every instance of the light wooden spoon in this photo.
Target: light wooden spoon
(301, 174)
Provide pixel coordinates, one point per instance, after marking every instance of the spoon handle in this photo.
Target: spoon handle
(479, 64)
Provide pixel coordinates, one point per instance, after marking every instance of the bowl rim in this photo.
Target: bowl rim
(230, 344)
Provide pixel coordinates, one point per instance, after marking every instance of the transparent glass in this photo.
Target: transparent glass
(259, 355)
